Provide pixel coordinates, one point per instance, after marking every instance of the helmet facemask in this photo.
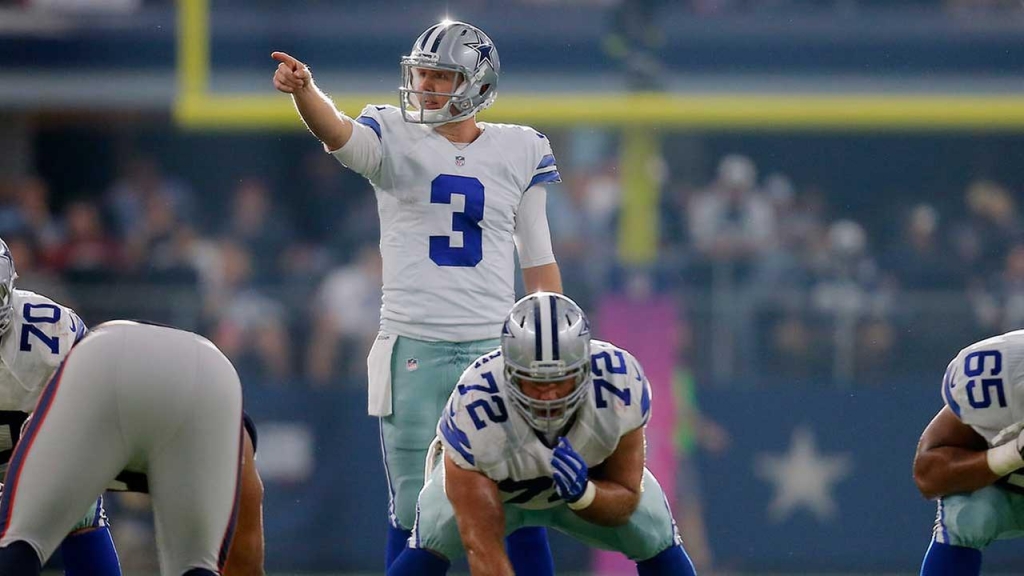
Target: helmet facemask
(548, 417)
(456, 107)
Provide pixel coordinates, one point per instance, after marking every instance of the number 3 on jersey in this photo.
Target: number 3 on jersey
(468, 221)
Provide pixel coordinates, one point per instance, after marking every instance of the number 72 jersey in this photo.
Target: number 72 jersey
(480, 431)
(984, 385)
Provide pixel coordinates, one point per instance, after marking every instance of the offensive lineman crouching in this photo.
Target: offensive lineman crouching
(570, 456)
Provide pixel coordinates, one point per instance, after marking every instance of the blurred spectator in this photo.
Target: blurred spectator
(31, 276)
(732, 226)
(785, 265)
(33, 198)
(850, 290)
(346, 318)
(142, 180)
(88, 251)
(732, 222)
(159, 248)
(981, 240)
(849, 282)
(920, 261)
(12, 221)
(264, 230)
(249, 326)
(999, 307)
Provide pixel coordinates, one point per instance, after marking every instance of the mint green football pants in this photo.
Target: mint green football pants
(976, 519)
(649, 531)
(423, 375)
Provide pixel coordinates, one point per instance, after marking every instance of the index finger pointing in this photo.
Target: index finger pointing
(282, 57)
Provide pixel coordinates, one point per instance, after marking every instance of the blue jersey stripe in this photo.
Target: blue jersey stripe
(947, 391)
(645, 401)
(392, 515)
(81, 330)
(552, 176)
(547, 160)
(457, 438)
(367, 121)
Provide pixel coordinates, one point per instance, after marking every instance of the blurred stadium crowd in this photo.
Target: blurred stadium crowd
(288, 280)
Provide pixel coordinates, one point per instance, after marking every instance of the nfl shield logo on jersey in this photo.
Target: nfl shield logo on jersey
(460, 160)
(412, 364)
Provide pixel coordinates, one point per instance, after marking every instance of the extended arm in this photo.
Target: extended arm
(318, 112)
(481, 519)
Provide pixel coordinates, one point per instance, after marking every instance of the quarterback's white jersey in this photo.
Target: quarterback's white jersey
(40, 336)
(481, 431)
(447, 218)
(984, 385)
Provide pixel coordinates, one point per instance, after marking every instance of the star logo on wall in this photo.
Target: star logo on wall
(803, 477)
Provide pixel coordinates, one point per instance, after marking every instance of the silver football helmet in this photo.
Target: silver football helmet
(7, 276)
(456, 47)
(546, 338)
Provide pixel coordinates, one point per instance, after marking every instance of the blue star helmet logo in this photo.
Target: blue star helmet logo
(483, 51)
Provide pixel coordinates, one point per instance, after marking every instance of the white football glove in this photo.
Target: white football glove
(1013, 432)
(1007, 452)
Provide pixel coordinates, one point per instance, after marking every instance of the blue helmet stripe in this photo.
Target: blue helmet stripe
(554, 327)
(437, 41)
(426, 35)
(539, 350)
